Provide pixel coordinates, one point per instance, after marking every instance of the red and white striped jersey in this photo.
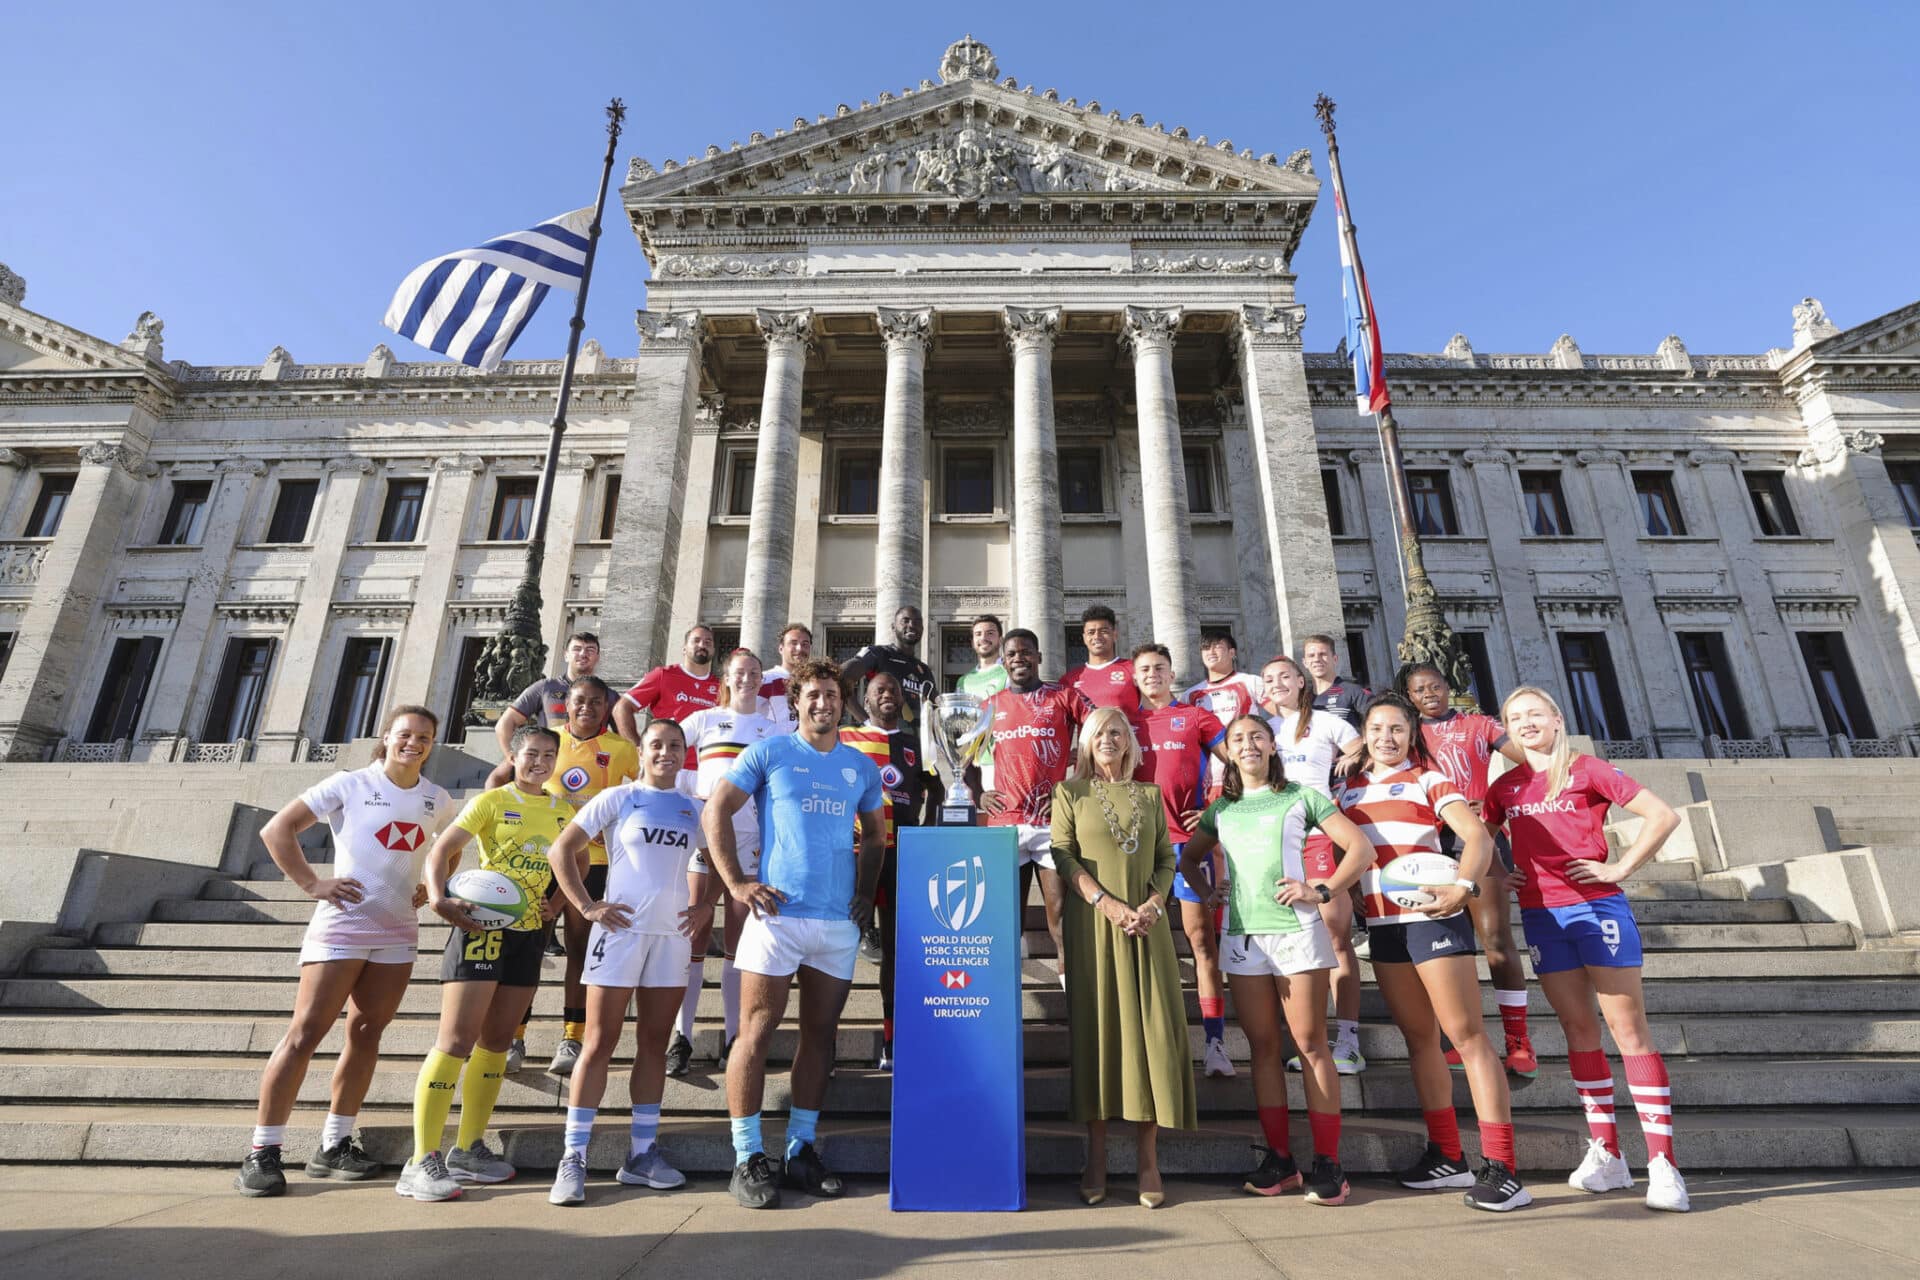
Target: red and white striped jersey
(1399, 812)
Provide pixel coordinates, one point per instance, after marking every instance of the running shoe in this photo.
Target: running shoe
(1434, 1171)
(1521, 1060)
(756, 1182)
(516, 1057)
(806, 1171)
(1600, 1170)
(565, 1058)
(345, 1159)
(1666, 1189)
(650, 1169)
(479, 1163)
(1348, 1060)
(1452, 1055)
(427, 1179)
(870, 947)
(1497, 1190)
(1293, 1063)
(1327, 1184)
(679, 1055)
(885, 1061)
(1277, 1173)
(727, 1051)
(1218, 1063)
(555, 947)
(1362, 943)
(260, 1174)
(570, 1180)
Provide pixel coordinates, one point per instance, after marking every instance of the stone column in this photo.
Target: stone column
(900, 553)
(1534, 658)
(556, 569)
(1163, 485)
(417, 659)
(653, 486)
(703, 460)
(766, 592)
(1038, 579)
(13, 465)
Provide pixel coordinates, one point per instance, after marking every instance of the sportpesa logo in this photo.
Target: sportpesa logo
(958, 894)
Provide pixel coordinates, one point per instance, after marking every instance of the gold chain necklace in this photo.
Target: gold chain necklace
(1130, 841)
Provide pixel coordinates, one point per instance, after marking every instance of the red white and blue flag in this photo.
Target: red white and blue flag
(1363, 328)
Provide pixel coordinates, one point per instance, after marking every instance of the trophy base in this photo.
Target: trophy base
(958, 815)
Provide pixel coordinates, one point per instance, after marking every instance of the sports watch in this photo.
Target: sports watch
(1471, 886)
(1326, 894)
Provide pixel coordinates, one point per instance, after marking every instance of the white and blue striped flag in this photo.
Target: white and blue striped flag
(472, 304)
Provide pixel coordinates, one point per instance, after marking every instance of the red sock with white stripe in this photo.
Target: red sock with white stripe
(1594, 1079)
(1513, 1013)
(1273, 1123)
(1653, 1099)
(1443, 1131)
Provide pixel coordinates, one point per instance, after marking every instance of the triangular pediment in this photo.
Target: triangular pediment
(1895, 335)
(33, 343)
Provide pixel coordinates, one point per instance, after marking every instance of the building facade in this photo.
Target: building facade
(981, 349)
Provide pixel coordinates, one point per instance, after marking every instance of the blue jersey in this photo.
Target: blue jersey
(807, 801)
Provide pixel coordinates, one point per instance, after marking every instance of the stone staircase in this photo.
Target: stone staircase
(1791, 1042)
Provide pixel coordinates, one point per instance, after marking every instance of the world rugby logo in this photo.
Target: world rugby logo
(958, 894)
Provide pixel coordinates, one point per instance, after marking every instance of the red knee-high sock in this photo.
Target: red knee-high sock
(1594, 1079)
(1653, 1100)
(1443, 1131)
(1496, 1142)
(1273, 1123)
(1326, 1133)
(1513, 1013)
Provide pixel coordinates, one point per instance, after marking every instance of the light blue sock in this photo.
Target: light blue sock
(746, 1137)
(579, 1128)
(646, 1123)
(800, 1126)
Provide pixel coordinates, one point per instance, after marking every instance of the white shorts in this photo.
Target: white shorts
(749, 862)
(776, 946)
(312, 952)
(1036, 845)
(1261, 955)
(625, 958)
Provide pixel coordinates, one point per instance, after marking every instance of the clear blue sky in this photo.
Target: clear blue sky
(262, 174)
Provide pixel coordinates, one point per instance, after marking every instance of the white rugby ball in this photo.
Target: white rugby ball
(493, 900)
(1407, 880)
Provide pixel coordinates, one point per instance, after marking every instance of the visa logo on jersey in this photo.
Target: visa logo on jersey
(655, 835)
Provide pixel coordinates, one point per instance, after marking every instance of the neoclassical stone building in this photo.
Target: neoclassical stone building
(978, 348)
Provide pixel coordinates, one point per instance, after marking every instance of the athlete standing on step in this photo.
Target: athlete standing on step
(1227, 691)
(672, 692)
(1104, 677)
(796, 646)
(360, 945)
(1581, 932)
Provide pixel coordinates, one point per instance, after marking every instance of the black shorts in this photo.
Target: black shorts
(510, 957)
(1419, 940)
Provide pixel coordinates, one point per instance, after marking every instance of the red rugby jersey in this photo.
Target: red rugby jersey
(1108, 686)
(1032, 749)
(674, 693)
(1399, 812)
(1549, 834)
(1175, 743)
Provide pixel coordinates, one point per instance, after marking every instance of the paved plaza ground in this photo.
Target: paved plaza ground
(152, 1223)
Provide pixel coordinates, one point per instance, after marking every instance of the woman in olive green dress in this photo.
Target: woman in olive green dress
(1127, 1018)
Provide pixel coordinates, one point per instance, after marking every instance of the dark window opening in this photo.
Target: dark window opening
(1835, 686)
(1199, 466)
(292, 511)
(356, 694)
(610, 507)
(1336, 513)
(513, 509)
(1485, 691)
(1357, 664)
(1082, 483)
(1544, 505)
(466, 675)
(240, 692)
(1710, 680)
(400, 515)
(116, 712)
(856, 484)
(968, 482)
(1906, 486)
(49, 506)
(740, 485)
(1432, 496)
(1593, 693)
(1659, 508)
(1768, 492)
(186, 513)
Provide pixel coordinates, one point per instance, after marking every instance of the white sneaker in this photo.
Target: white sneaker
(1348, 1060)
(564, 1059)
(516, 1057)
(427, 1179)
(1218, 1063)
(570, 1180)
(1666, 1189)
(1600, 1170)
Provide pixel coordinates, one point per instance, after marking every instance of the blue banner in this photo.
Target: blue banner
(959, 1085)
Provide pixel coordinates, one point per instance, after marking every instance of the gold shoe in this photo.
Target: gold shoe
(1092, 1195)
(1152, 1199)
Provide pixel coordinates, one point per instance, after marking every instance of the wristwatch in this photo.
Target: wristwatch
(1326, 894)
(1471, 886)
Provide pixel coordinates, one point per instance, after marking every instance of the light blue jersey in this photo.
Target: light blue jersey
(807, 801)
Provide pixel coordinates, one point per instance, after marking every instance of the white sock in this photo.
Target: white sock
(1509, 999)
(696, 978)
(269, 1135)
(579, 1128)
(1347, 1032)
(1063, 979)
(730, 997)
(335, 1130)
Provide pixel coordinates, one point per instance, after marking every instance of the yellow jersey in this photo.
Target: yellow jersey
(585, 768)
(515, 830)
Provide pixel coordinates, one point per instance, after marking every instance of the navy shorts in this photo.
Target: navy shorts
(1601, 932)
(1184, 891)
(1419, 940)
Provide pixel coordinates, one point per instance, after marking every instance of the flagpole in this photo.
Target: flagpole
(516, 655)
(1427, 637)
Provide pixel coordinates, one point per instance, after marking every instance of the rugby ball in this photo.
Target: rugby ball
(1406, 880)
(492, 899)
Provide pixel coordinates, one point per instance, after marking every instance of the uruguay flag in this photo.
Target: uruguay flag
(1363, 328)
(473, 303)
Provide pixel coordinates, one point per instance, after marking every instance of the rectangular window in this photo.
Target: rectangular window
(844, 642)
(856, 483)
(1593, 694)
(967, 482)
(1710, 680)
(49, 506)
(740, 483)
(1199, 464)
(465, 674)
(1357, 658)
(186, 513)
(1432, 495)
(1768, 491)
(292, 511)
(956, 656)
(400, 514)
(1074, 645)
(356, 694)
(609, 507)
(1485, 691)
(1834, 685)
(1659, 509)
(1336, 513)
(1906, 484)
(240, 692)
(513, 509)
(6, 651)
(1083, 491)
(1544, 506)
(725, 640)
(116, 712)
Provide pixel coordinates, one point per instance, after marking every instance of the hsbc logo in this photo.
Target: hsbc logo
(957, 895)
(956, 979)
(401, 837)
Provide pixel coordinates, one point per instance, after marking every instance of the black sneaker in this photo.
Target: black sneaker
(679, 1055)
(870, 947)
(260, 1174)
(1434, 1172)
(805, 1171)
(1327, 1184)
(1497, 1189)
(1277, 1173)
(756, 1182)
(344, 1159)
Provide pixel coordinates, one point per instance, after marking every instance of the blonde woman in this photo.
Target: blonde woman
(1128, 1056)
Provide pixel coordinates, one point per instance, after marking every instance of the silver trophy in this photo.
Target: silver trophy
(960, 734)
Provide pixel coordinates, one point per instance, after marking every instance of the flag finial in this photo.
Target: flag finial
(1323, 108)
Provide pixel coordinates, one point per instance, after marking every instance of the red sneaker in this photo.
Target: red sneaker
(1453, 1060)
(1520, 1057)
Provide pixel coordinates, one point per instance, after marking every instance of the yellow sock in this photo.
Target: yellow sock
(520, 1032)
(433, 1099)
(479, 1090)
(575, 1031)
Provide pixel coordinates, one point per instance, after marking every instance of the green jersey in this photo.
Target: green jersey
(983, 685)
(1262, 835)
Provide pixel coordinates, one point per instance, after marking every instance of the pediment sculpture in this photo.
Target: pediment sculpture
(974, 161)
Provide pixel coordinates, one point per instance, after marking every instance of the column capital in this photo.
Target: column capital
(359, 466)
(109, 453)
(794, 328)
(1595, 457)
(1032, 327)
(670, 330)
(1488, 457)
(13, 458)
(460, 462)
(1142, 327)
(1836, 446)
(1269, 326)
(1707, 457)
(243, 466)
(576, 463)
(905, 326)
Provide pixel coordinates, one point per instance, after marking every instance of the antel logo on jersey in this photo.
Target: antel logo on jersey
(401, 837)
(824, 804)
(956, 979)
(575, 778)
(958, 894)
